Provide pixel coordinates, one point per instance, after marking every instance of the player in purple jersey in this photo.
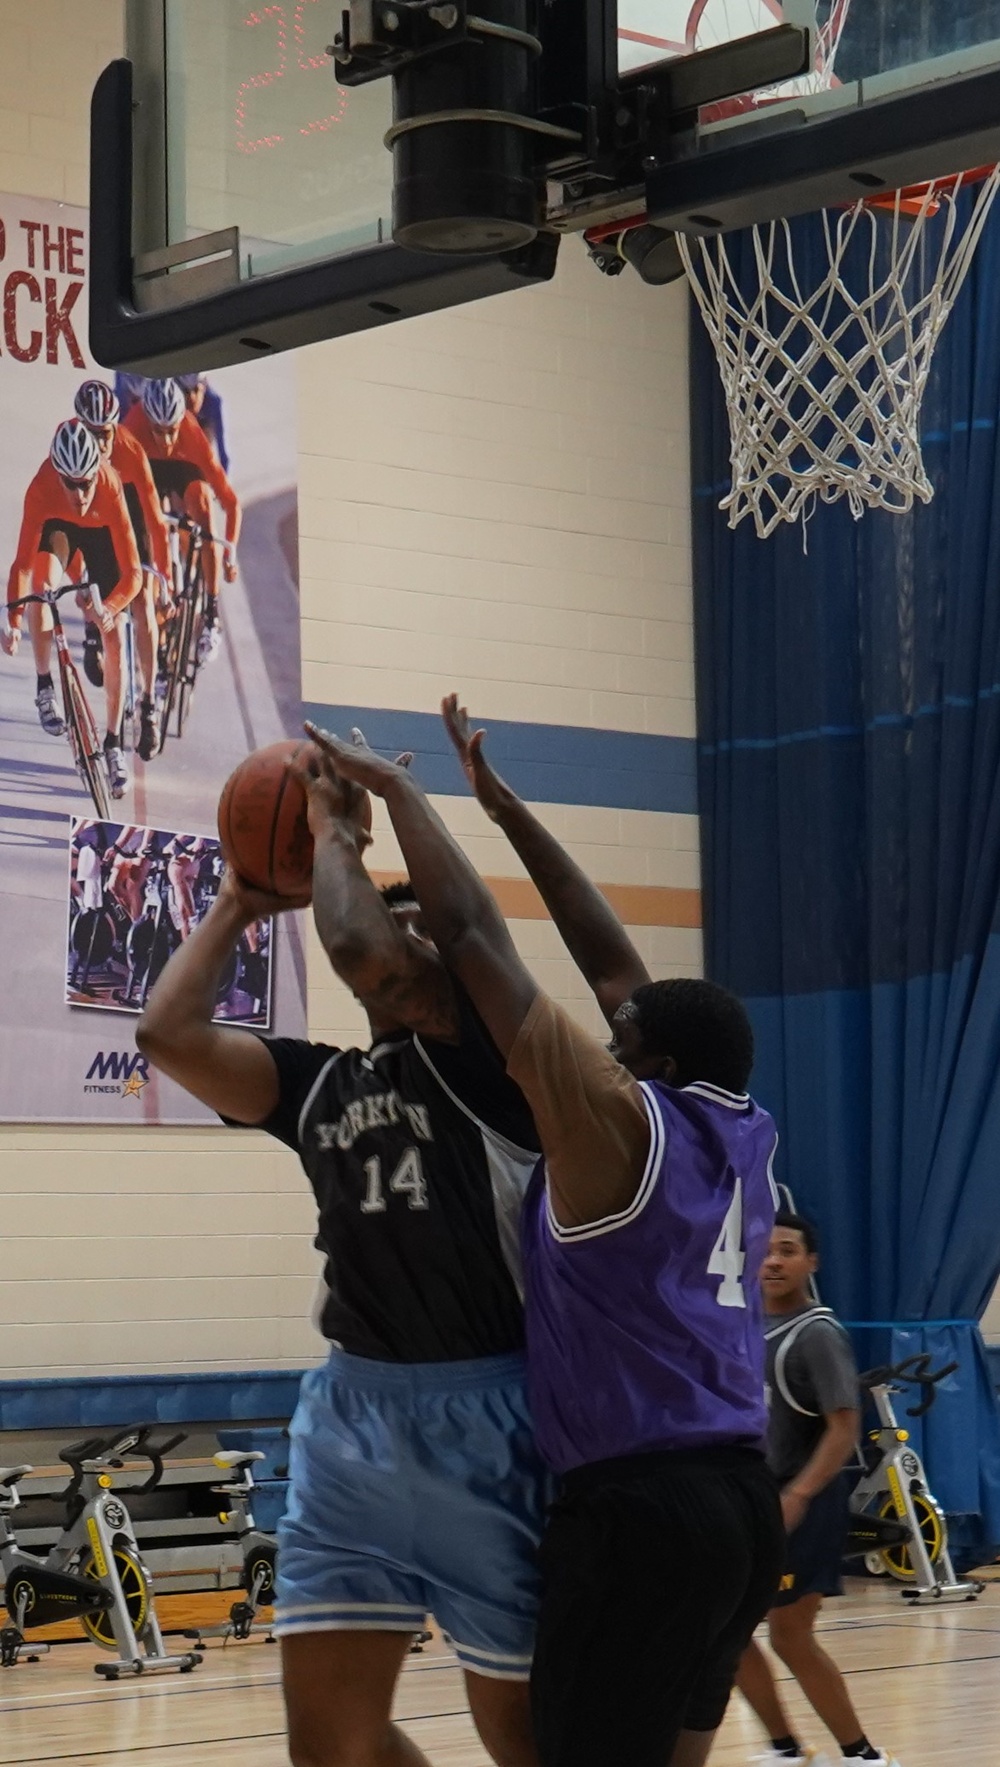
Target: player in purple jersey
(643, 1237)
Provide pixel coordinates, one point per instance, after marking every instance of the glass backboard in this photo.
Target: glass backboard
(864, 49)
(259, 136)
(245, 162)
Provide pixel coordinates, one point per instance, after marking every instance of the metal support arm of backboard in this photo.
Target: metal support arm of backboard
(760, 172)
(238, 321)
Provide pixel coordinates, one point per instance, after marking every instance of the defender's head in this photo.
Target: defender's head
(791, 1263)
(684, 1030)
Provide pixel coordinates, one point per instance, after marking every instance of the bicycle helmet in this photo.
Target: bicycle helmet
(163, 403)
(96, 404)
(74, 452)
(190, 381)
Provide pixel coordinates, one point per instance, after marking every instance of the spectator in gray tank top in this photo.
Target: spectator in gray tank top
(812, 1431)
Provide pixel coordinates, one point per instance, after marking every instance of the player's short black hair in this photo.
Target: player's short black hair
(703, 1027)
(799, 1224)
(399, 895)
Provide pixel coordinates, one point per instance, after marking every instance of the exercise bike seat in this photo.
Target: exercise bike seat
(232, 1461)
(12, 1475)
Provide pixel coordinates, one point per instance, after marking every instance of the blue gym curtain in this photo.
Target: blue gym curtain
(849, 780)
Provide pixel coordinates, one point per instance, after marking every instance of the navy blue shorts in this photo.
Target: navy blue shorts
(416, 1488)
(814, 1551)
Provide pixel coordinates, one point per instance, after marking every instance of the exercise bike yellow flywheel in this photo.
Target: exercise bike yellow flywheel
(896, 1559)
(135, 1590)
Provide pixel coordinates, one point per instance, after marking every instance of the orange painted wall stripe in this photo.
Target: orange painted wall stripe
(635, 904)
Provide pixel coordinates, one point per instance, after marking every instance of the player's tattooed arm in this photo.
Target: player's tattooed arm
(460, 913)
(587, 924)
(230, 1070)
(398, 978)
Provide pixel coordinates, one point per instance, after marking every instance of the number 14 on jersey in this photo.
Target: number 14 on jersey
(407, 1180)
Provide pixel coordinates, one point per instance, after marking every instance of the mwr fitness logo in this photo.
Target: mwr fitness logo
(117, 1072)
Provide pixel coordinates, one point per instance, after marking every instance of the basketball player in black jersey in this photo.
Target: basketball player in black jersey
(415, 1484)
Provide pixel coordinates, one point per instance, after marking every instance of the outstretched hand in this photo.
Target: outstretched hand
(330, 798)
(489, 788)
(354, 764)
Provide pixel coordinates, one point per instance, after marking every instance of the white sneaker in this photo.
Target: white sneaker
(208, 643)
(810, 1758)
(119, 776)
(48, 712)
(881, 1760)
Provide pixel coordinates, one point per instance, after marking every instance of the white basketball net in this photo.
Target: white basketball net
(824, 385)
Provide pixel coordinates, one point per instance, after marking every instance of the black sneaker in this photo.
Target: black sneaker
(148, 744)
(93, 654)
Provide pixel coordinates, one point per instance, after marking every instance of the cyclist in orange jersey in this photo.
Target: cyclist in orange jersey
(186, 467)
(98, 408)
(75, 506)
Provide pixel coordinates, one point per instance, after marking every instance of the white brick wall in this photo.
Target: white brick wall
(497, 497)
(493, 499)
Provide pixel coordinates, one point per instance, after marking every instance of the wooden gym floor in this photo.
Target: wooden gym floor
(927, 1682)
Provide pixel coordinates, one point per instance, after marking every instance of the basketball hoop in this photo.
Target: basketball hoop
(824, 384)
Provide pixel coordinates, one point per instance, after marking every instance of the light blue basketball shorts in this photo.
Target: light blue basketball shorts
(415, 1488)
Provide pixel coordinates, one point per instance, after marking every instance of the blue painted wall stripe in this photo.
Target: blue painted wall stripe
(548, 763)
(109, 1401)
(105, 1401)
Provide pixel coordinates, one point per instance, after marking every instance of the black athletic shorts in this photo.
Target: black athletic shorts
(814, 1551)
(138, 521)
(173, 478)
(95, 546)
(655, 1571)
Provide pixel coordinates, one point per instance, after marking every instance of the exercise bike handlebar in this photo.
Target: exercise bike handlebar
(912, 1372)
(110, 1451)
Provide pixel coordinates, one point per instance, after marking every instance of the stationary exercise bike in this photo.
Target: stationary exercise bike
(896, 1522)
(260, 1553)
(94, 1572)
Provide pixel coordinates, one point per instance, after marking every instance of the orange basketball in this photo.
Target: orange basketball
(263, 823)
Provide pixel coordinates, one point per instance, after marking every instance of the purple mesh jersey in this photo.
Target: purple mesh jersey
(645, 1331)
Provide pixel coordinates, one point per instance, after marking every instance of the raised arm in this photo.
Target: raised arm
(587, 924)
(588, 1110)
(231, 1071)
(460, 913)
(398, 978)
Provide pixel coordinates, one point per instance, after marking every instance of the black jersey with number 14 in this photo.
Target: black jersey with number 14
(419, 1154)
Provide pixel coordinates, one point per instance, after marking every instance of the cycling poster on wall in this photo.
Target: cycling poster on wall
(132, 893)
(150, 641)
